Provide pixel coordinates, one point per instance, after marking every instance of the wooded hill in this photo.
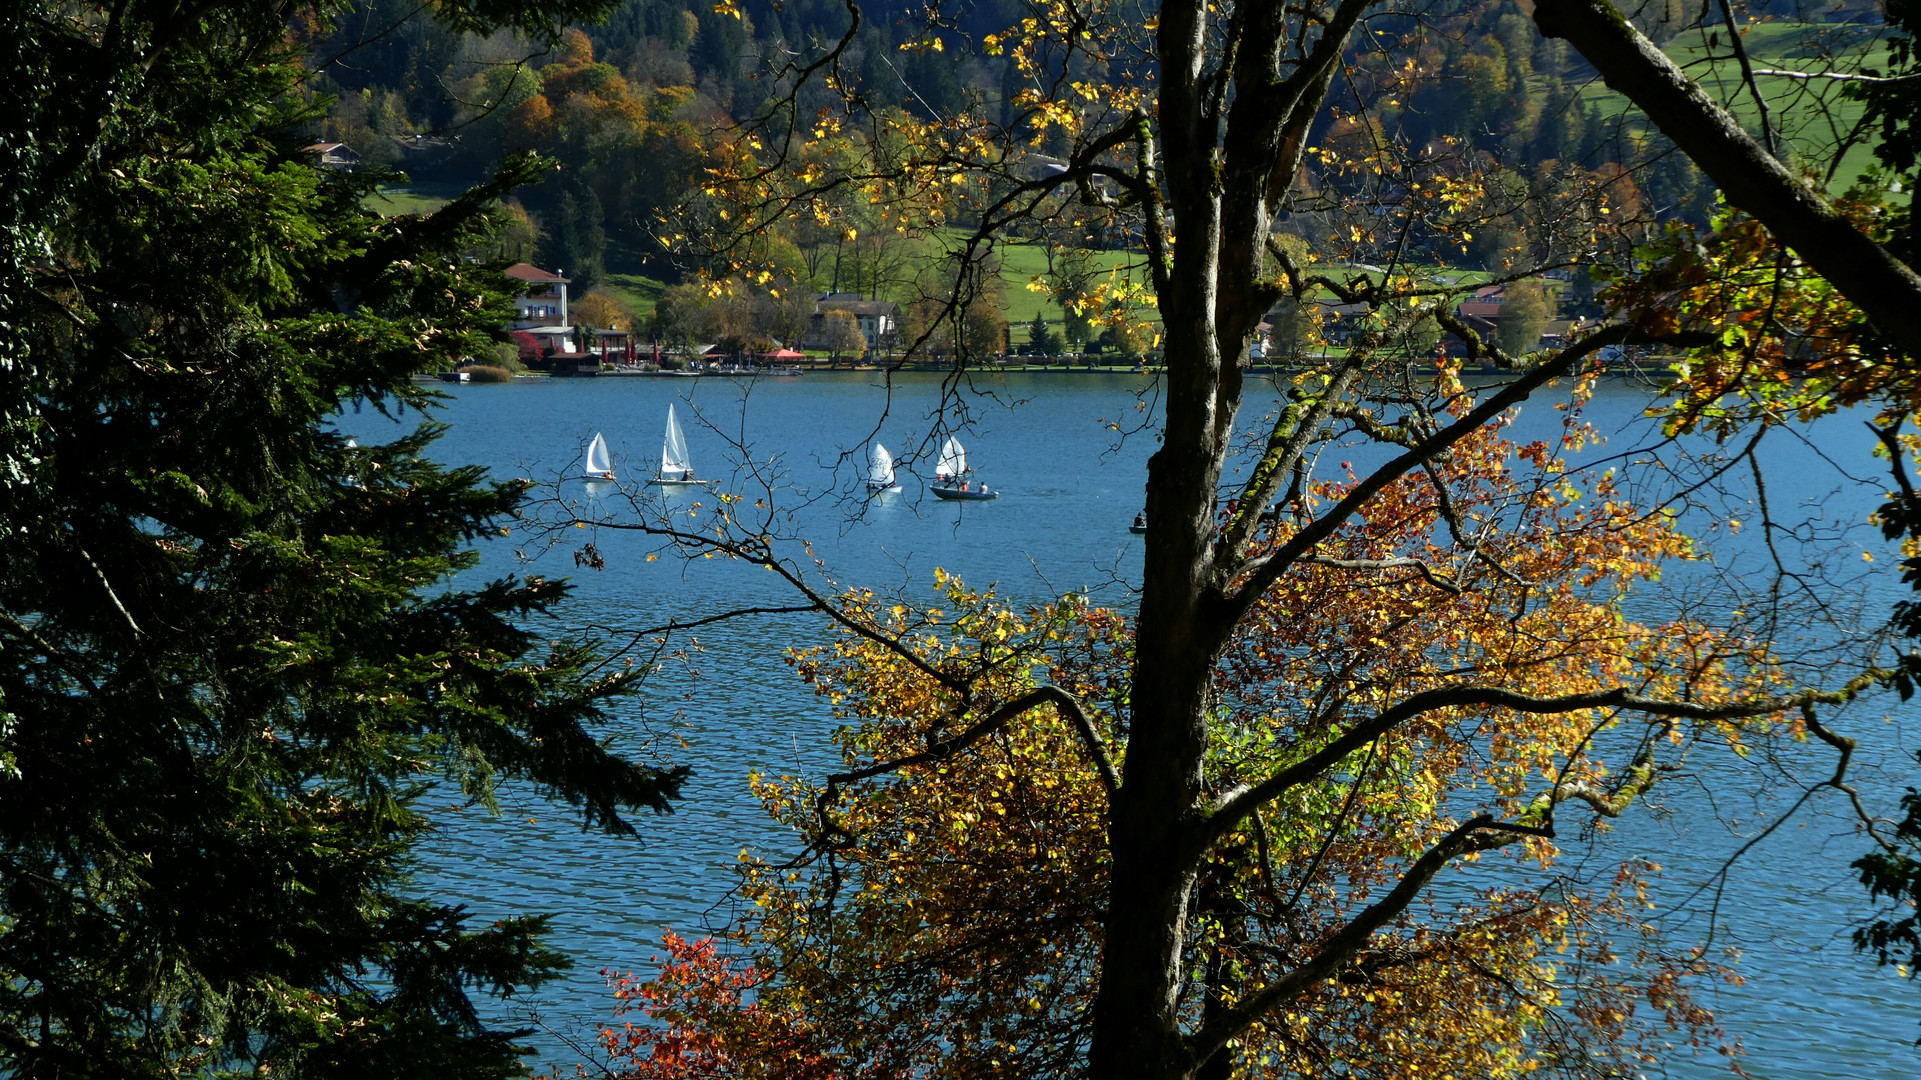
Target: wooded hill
(632, 109)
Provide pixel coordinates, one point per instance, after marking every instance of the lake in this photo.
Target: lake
(1068, 454)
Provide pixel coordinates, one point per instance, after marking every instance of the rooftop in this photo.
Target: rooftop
(531, 273)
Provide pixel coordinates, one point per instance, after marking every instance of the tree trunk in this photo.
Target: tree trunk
(1211, 299)
(1136, 1030)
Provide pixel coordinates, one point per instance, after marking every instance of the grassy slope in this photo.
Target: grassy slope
(394, 199)
(1022, 263)
(1813, 114)
(638, 293)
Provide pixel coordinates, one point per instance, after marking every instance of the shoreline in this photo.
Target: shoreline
(1659, 370)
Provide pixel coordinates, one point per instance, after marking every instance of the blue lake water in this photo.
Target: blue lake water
(1068, 454)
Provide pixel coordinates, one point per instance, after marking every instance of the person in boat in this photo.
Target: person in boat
(688, 476)
(1140, 520)
(964, 485)
(984, 490)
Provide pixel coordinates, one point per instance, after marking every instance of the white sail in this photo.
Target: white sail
(953, 459)
(598, 464)
(673, 451)
(880, 468)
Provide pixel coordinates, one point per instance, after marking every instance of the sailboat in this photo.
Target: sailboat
(880, 472)
(950, 475)
(675, 468)
(598, 465)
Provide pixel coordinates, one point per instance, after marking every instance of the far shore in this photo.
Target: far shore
(1651, 368)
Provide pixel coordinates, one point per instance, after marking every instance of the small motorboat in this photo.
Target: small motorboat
(963, 491)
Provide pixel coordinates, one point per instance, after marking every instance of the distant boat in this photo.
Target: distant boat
(1139, 526)
(676, 470)
(598, 465)
(880, 472)
(950, 475)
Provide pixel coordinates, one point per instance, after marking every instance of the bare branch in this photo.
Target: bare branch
(1480, 833)
(1235, 607)
(1836, 76)
(1235, 804)
(1067, 704)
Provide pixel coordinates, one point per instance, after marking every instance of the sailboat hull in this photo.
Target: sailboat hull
(662, 481)
(959, 495)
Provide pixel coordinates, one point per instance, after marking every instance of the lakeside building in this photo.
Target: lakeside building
(879, 319)
(545, 301)
(540, 323)
(1482, 311)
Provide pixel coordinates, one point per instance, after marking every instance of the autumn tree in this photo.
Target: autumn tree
(1296, 328)
(602, 310)
(1319, 709)
(679, 316)
(1523, 317)
(840, 333)
(972, 328)
(976, 857)
(531, 125)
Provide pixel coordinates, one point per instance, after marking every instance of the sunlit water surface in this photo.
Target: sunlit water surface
(1070, 483)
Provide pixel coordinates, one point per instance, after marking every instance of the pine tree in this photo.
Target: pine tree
(232, 660)
(1042, 336)
(581, 240)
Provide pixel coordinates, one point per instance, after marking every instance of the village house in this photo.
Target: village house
(1482, 311)
(1340, 322)
(540, 316)
(333, 155)
(879, 319)
(545, 302)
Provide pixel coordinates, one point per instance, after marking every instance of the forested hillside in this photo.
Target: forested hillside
(632, 109)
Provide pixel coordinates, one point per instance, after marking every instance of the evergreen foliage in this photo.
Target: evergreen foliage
(233, 655)
(1042, 337)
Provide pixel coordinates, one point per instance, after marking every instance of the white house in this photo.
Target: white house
(545, 302)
